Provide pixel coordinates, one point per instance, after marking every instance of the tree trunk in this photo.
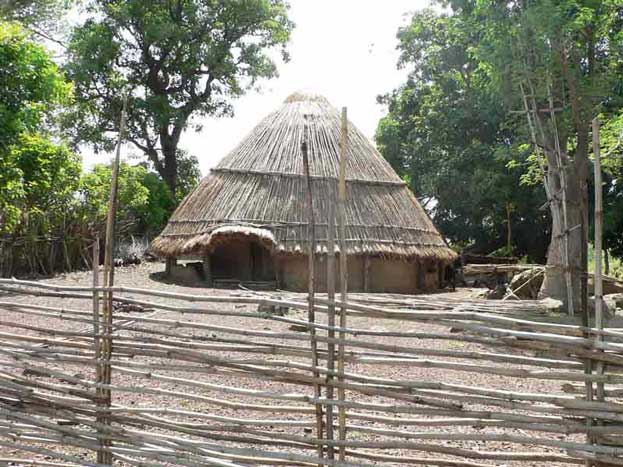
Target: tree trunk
(555, 282)
(169, 174)
(168, 169)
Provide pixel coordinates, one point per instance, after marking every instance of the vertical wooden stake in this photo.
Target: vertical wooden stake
(599, 299)
(109, 279)
(96, 298)
(96, 339)
(366, 273)
(330, 319)
(341, 219)
(311, 312)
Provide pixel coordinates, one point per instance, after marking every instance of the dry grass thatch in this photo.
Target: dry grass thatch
(260, 185)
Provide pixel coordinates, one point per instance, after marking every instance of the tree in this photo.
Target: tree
(31, 87)
(39, 16)
(145, 201)
(177, 59)
(559, 61)
(445, 133)
(188, 174)
(553, 65)
(49, 174)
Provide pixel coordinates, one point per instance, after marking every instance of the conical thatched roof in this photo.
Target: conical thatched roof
(259, 190)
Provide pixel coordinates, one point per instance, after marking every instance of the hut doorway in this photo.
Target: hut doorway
(242, 259)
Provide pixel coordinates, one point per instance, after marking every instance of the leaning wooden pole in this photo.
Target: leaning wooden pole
(311, 313)
(104, 374)
(341, 219)
(599, 214)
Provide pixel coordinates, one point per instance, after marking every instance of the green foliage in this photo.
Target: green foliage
(178, 60)
(504, 252)
(568, 49)
(38, 179)
(30, 85)
(50, 174)
(145, 201)
(154, 214)
(450, 129)
(95, 191)
(32, 11)
(445, 134)
(188, 174)
(569, 53)
(616, 263)
(11, 191)
(611, 138)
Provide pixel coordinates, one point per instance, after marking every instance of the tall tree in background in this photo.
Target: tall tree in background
(31, 86)
(561, 63)
(44, 18)
(179, 59)
(547, 67)
(445, 134)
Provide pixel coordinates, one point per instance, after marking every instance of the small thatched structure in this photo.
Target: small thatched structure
(249, 220)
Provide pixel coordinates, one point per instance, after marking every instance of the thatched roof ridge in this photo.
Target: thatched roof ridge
(261, 185)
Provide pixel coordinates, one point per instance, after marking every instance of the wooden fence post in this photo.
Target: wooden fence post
(311, 311)
(101, 454)
(109, 278)
(599, 299)
(343, 277)
(598, 282)
(330, 320)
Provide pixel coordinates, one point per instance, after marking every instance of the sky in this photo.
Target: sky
(344, 50)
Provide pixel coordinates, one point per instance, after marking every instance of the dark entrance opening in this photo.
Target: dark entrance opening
(242, 259)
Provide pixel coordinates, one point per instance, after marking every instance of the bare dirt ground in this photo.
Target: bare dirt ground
(147, 276)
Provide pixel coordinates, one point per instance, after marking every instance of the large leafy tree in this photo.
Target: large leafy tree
(445, 134)
(145, 201)
(49, 174)
(177, 59)
(553, 65)
(31, 87)
(42, 17)
(560, 61)
(31, 84)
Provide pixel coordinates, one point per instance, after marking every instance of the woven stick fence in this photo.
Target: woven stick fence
(223, 380)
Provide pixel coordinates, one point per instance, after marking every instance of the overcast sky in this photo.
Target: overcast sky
(342, 49)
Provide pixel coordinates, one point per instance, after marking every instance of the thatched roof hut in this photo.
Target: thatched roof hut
(256, 195)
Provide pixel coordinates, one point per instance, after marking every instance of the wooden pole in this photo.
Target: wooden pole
(101, 454)
(343, 276)
(599, 305)
(96, 298)
(598, 283)
(311, 313)
(109, 279)
(330, 320)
